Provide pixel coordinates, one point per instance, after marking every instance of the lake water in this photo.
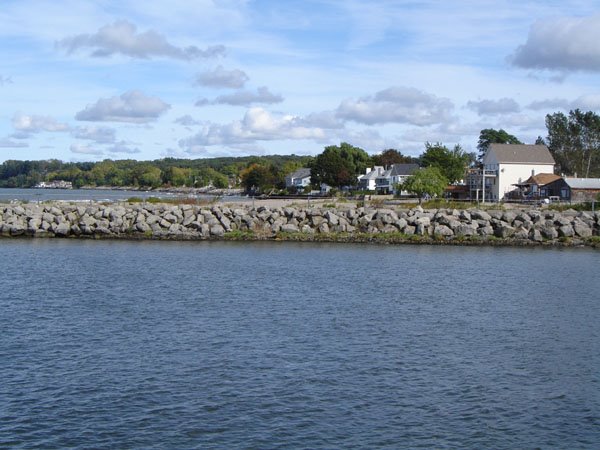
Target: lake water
(74, 195)
(280, 345)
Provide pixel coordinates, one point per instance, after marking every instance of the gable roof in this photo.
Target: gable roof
(521, 153)
(403, 169)
(583, 183)
(542, 179)
(373, 174)
(300, 173)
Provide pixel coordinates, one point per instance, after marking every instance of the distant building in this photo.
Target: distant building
(367, 182)
(506, 166)
(575, 190)
(56, 184)
(537, 187)
(298, 179)
(397, 174)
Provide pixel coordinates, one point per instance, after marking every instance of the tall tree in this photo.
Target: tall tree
(428, 180)
(339, 165)
(391, 156)
(574, 141)
(490, 136)
(451, 163)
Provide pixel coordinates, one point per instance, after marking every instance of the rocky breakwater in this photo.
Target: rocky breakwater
(162, 221)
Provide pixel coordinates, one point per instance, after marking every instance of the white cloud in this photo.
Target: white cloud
(122, 37)
(222, 78)
(101, 135)
(132, 106)
(569, 43)
(397, 105)
(8, 143)
(37, 123)
(122, 147)
(187, 121)
(257, 125)
(588, 102)
(244, 98)
(82, 149)
(494, 107)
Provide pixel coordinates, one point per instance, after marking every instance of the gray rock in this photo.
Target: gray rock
(217, 230)
(290, 228)
(443, 230)
(504, 231)
(566, 231)
(582, 229)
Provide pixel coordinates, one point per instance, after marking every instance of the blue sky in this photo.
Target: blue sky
(90, 80)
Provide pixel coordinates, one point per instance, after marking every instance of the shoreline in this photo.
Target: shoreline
(278, 221)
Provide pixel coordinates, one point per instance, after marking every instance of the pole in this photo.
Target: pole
(483, 184)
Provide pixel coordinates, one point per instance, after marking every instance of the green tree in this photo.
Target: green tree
(339, 165)
(425, 181)
(574, 142)
(391, 156)
(451, 163)
(258, 178)
(490, 136)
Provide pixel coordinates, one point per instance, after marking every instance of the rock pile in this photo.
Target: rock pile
(163, 221)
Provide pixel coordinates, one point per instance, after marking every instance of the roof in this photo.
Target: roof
(300, 173)
(521, 153)
(403, 169)
(583, 183)
(542, 179)
(377, 171)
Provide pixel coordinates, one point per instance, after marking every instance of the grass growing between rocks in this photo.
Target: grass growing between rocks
(238, 235)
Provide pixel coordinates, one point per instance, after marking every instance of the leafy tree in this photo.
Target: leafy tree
(425, 181)
(258, 178)
(574, 142)
(339, 165)
(451, 163)
(490, 136)
(391, 156)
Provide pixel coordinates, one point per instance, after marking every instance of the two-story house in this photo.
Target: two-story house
(507, 165)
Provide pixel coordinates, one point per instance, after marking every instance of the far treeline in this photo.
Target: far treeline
(573, 140)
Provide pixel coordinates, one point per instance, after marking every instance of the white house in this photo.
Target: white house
(386, 183)
(507, 165)
(367, 181)
(298, 179)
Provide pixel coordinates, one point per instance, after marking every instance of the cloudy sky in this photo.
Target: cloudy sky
(88, 80)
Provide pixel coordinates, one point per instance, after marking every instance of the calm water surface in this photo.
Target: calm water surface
(267, 345)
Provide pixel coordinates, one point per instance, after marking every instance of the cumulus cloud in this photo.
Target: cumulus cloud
(34, 124)
(132, 106)
(122, 37)
(222, 78)
(187, 121)
(493, 107)
(590, 102)
(85, 150)
(257, 125)
(8, 143)
(569, 43)
(122, 147)
(397, 105)
(101, 135)
(244, 98)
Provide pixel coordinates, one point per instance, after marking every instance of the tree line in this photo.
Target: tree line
(573, 140)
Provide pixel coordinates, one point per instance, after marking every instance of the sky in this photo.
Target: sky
(105, 79)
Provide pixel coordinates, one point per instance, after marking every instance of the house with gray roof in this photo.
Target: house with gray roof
(366, 182)
(396, 174)
(576, 190)
(507, 165)
(298, 179)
